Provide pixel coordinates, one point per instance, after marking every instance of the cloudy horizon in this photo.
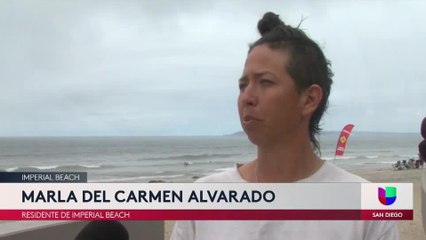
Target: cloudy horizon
(135, 68)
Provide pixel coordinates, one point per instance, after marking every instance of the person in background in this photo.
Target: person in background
(422, 144)
(284, 90)
(422, 158)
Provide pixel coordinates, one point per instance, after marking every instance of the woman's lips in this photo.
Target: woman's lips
(250, 119)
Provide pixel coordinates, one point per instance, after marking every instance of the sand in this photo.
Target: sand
(408, 230)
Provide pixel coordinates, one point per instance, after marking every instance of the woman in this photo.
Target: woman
(284, 91)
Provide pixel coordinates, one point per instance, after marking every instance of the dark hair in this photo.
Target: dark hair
(422, 144)
(422, 150)
(307, 64)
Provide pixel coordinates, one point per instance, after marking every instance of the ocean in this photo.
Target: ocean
(182, 159)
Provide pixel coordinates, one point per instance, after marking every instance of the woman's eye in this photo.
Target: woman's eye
(266, 82)
(242, 86)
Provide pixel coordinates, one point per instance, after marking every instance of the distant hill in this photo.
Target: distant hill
(239, 133)
(334, 133)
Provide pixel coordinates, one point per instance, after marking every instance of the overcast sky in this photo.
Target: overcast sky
(171, 67)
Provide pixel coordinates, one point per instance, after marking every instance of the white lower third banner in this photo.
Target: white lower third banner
(206, 201)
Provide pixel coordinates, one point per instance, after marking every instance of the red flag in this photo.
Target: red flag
(343, 139)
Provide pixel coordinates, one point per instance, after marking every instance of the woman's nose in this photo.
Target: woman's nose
(248, 96)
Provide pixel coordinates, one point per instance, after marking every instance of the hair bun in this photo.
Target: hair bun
(269, 22)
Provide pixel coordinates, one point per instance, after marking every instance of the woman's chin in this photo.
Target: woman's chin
(256, 138)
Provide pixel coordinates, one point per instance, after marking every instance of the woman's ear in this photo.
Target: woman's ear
(311, 98)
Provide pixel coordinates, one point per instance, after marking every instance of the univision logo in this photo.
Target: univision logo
(387, 195)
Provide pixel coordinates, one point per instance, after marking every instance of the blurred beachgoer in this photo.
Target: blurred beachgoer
(422, 144)
(284, 89)
(419, 162)
(397, 165)
(411, 163)
(422, 158)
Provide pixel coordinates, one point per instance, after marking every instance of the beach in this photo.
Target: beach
(408, 230)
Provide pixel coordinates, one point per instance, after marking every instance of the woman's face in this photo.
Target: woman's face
(270, 107)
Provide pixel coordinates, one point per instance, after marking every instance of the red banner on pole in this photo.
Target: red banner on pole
(343, 139)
